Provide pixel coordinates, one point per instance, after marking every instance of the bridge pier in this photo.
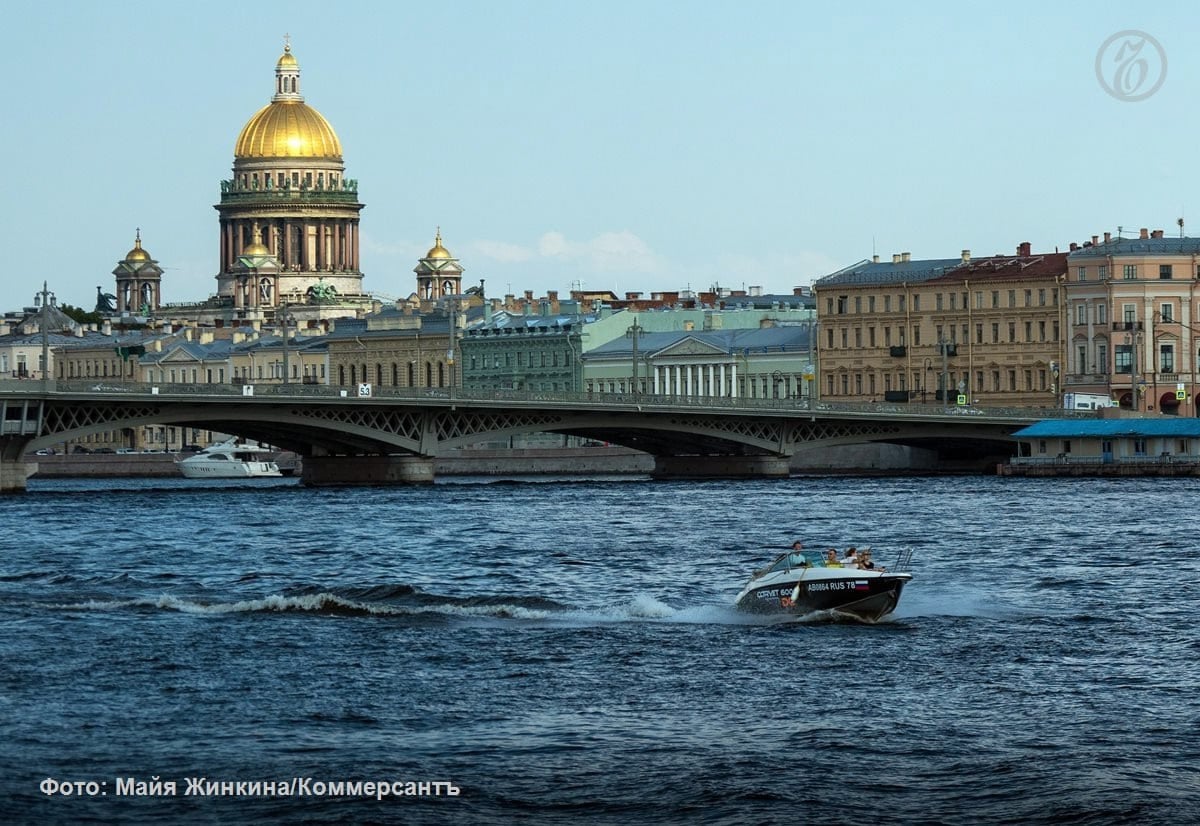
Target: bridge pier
(719, 467)
(367, 470)
(14, 473)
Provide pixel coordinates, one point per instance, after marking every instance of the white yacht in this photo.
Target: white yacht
(229, 460)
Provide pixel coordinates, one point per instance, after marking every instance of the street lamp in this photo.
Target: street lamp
(285, 318)
(46, 297)
(634, 332)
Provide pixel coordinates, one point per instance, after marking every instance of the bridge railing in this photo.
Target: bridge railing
(642, 401)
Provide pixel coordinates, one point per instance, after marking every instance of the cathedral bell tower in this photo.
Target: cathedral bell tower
(139, 282)
(438, 274)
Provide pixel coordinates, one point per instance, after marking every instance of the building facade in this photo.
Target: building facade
(984, 331)
(1134, 314)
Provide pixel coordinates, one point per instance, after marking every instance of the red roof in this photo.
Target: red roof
(1007, 268)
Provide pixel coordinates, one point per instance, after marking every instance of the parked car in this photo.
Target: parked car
(46, 451)
(105, 450)
(81, 449)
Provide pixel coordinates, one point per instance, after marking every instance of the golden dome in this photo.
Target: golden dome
(287, 58)
(437, 250)
(256, 249)
(288, 129)
(137, 253)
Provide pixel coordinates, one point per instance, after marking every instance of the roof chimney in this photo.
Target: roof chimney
(1107, 237)
(906, 257)
(895, 258)
(966, 254)
(1074, 246)
(1025, 249)
(1096, 239)
(1158, 233)
(1144, 234)
(874, 259)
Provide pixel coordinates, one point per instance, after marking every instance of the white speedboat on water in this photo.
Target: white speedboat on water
(801, 582)
(229, 460)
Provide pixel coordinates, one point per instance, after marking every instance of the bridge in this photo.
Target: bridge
(393, 435)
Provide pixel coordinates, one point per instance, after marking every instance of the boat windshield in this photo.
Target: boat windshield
(795, 559)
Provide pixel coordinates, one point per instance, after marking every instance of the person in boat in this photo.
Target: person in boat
(850, 560)
(831, 559)
(798, 550)
(865, 561)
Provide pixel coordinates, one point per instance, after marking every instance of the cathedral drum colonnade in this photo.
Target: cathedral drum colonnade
(289, 217)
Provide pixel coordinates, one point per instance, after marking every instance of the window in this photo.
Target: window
(900, 303)
(871, 304)
(995, 332)
(1029, 298)
(858, 336)
(953, 301)
(917, 303)
(916, 337)
(887, 336)
(1167, 312)
(1129, 312)
(829, 306)
(1041, 298)
(858, 305)
(887, 303)
(979, 334)
(829, 335)
(1130, 272)
(1166, 358)
(938, 301)
(843, 303)
(845, 338)
(1101, 313)
(1081, 365)
(1081, 313)
(1101, 356)
(1164, 272)
(1124, 356)
(979, 300)
(1102, 272)
(995, 299)
(1012, 298)
(1029, 331)
(1041, 331)
(1081, 273)
(871, 336)
(1012, 332)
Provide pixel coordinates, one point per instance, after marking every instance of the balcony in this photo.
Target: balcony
(898, 352)
(1127, 326)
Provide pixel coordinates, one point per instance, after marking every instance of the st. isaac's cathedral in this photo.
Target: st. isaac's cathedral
(289, 229)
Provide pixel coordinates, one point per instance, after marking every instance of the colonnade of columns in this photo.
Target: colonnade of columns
(718, 380)
(323, 245)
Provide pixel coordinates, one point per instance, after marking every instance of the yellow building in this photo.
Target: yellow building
(985, 331)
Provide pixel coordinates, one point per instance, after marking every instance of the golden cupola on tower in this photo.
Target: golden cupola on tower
(288, 200)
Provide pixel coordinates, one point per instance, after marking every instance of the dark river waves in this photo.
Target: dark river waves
(561, 652)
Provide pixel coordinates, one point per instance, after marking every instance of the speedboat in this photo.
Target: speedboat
(801, 582)
(229, 460)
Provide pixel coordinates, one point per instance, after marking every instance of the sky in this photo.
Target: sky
(625, 146)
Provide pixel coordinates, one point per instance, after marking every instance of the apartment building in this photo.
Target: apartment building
(985, 331)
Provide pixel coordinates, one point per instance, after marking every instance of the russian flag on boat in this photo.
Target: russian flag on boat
(861, 585)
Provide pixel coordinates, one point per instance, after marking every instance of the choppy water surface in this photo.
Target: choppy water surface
(566, 652)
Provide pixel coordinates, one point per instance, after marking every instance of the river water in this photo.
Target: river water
(565, 651)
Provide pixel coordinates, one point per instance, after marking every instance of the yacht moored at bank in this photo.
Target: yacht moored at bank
(229, 460)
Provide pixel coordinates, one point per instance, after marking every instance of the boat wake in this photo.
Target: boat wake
(407, 602)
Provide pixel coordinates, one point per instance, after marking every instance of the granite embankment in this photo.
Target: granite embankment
(579, 461)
